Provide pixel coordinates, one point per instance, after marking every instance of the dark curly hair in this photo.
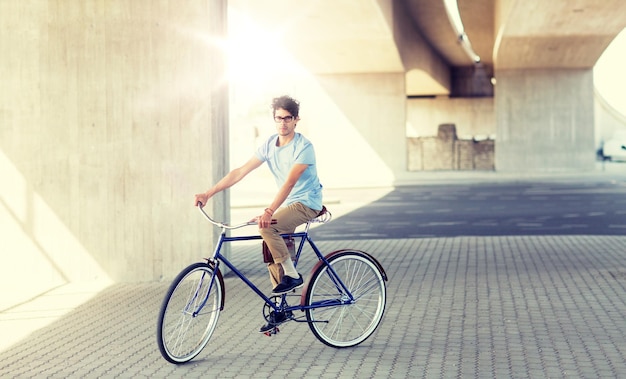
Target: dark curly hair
(287, 103)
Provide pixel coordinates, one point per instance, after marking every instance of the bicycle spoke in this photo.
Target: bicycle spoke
(356, 314)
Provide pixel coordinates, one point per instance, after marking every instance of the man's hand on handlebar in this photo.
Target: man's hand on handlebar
(265, 220)
(200, 199)
(257, 219)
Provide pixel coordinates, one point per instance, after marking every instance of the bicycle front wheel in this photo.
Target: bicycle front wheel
(189, 313)
(332, 317)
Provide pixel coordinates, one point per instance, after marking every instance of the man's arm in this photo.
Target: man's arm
(229, 180)
(296, 172)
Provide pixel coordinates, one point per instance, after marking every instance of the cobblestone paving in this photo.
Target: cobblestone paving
(486, 307)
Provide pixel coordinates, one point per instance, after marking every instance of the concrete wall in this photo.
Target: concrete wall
(545, 120)
(447, 152)
(105, 135)
(473, 142)
(363, 127)
(471, 116)
(355, 121)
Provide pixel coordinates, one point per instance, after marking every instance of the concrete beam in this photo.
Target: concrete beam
(555, 34)
(426, 72)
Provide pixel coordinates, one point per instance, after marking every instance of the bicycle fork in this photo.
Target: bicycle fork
(201, 284)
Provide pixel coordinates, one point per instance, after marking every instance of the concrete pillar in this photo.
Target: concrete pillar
(218, 144)
(112, 118)
(545, 120)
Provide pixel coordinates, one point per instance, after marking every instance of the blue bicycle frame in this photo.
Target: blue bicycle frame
(304, 236)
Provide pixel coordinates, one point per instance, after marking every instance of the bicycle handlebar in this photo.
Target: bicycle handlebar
(221, 224)
(324, 217)
(224, 225)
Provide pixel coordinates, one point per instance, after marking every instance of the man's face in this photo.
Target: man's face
(285, 122)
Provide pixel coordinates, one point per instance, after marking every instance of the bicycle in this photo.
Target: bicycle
(343, 299)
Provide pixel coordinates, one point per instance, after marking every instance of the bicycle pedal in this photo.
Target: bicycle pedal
(271, 332)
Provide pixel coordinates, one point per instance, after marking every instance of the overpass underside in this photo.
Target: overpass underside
(533, 85)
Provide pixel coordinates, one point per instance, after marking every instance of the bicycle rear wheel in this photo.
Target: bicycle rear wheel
(332, 319)
(189, 313)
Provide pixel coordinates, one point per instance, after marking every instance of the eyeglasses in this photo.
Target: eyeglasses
(279, 119)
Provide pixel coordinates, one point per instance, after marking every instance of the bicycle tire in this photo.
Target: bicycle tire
(345, 325)
(181, 333)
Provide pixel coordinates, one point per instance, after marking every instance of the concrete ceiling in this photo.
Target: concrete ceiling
(432, 21)
(329, 36)
(416, 37)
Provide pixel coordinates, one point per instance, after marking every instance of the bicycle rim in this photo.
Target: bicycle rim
(186, 321)
(349, 324)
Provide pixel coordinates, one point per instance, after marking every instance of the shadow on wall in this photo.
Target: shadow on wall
(447, 152)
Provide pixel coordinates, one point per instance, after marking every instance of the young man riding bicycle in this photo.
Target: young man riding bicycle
(291, 159)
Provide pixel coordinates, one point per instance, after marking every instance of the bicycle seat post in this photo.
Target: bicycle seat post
(306, 228)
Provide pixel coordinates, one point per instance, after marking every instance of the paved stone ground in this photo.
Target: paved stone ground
(505, 307)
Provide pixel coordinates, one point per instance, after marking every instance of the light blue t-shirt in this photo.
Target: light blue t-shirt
(281, 159)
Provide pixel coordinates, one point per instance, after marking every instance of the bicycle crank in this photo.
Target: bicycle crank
(272, 331)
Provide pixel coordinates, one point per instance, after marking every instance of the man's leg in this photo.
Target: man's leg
(276, 270)
(276, 273)
(287, 219)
